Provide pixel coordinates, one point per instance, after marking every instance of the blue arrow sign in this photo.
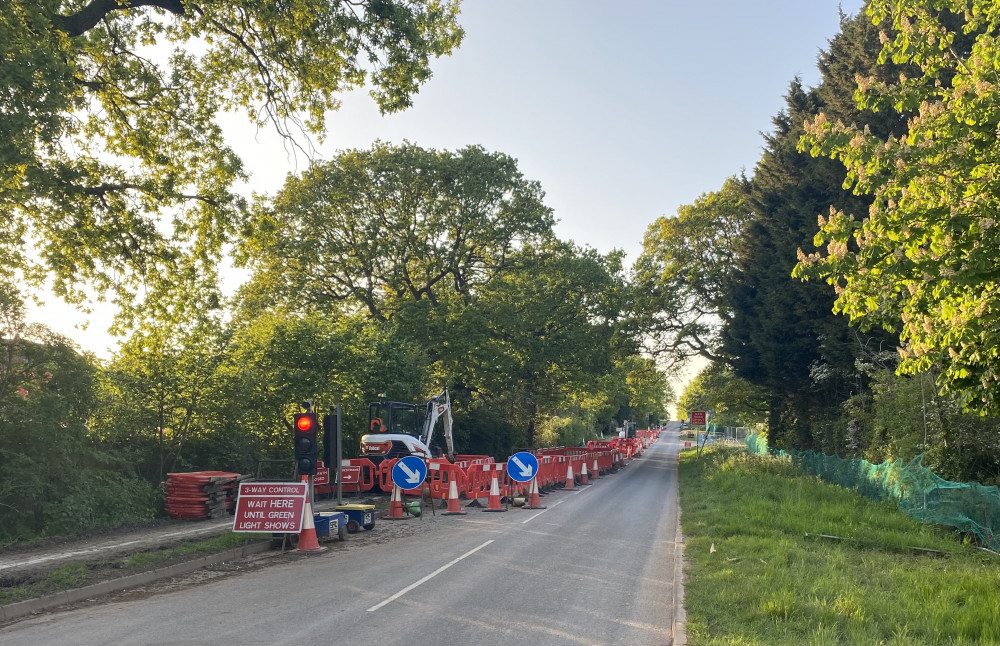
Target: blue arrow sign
(522, 467)
(409, 472)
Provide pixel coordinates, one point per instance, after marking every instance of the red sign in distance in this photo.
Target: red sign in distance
(270, 507)
(322, 476)
(697, 418)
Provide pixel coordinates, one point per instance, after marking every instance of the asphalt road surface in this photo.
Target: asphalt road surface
(597, 566)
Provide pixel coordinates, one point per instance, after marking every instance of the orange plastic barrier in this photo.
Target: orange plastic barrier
(480, 477)
(383, 475)
(440, 473)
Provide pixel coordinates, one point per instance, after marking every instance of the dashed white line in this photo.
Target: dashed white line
(542, 512)
(428, 577)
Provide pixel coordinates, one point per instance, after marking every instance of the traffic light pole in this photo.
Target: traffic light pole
(340, 483)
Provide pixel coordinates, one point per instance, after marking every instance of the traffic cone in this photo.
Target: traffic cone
(534, 499)
(494, 502)
(584, 478)
(308, 541)
(453, 507)
(570, 478)
(396, 504)
(595, 472)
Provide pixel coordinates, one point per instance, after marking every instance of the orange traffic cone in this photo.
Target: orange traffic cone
(494, 503)
(584, 479)
(453, 507)
(308, 541)
(570, 478)
(595, 473)
(534, 499)
(396, 504)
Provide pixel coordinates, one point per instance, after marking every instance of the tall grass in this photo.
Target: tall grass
(768, 583)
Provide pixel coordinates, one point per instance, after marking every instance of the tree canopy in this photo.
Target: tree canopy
(683, 271)
(115, 172)
(924, 259)
(373, 227)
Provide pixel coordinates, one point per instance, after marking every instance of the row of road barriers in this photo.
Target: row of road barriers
(473, 474)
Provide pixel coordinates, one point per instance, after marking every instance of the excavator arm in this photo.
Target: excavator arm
(439, 406)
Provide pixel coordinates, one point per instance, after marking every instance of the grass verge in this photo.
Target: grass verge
(77, 575)
(752, 576)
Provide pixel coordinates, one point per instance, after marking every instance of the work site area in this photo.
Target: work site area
(578, 323)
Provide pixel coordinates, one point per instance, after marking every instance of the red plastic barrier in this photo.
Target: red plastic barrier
(480, 477)
(383, 475)
(440, 473)
(367, 478)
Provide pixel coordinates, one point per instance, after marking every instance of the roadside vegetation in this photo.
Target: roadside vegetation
(760, 567)
(80, 574)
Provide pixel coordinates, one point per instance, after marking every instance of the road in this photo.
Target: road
(598, 566)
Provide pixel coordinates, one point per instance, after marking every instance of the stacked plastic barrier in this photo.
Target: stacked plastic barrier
(202, 494)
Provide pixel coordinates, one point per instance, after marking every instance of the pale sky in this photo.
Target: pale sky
(623, 110)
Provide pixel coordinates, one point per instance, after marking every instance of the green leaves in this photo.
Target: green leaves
(114, 169)
(926, 260)
(680, 277)
(372, 227)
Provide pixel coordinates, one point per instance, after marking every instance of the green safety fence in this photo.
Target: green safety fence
(969, 507)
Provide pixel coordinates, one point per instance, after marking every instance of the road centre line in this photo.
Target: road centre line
(428, 577)
(542, 512)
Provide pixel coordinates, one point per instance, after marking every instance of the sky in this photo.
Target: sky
(622, 110)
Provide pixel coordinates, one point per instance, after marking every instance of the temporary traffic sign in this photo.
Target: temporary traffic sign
(697, 418)
(522, 467)
(270, 507)
(350, 475)
(409, 472)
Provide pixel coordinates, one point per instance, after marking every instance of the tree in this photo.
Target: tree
(157, 393)
(114, 171)
(680, 277)
(277, 359)
(374, 228)
(782, 337)
(779, 328)
(549, 328)
(733, 401)
(925, 259)
(53, 477)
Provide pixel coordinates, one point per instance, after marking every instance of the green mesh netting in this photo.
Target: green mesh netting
(969, 507)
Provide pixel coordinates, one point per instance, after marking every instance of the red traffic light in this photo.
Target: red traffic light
(304, 423)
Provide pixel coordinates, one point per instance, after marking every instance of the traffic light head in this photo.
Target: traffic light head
(306, 446)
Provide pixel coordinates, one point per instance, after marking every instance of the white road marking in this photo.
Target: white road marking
(428, 577)
(542, 512)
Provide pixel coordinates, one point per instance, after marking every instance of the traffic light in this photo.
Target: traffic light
(306, 446)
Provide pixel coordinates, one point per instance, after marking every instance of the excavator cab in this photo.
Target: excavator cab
(395, 417)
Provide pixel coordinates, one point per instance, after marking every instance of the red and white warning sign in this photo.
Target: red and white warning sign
(350, 475)
(270, 507)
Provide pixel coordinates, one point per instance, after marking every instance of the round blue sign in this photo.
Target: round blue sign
(522, 467)
(409, 472)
